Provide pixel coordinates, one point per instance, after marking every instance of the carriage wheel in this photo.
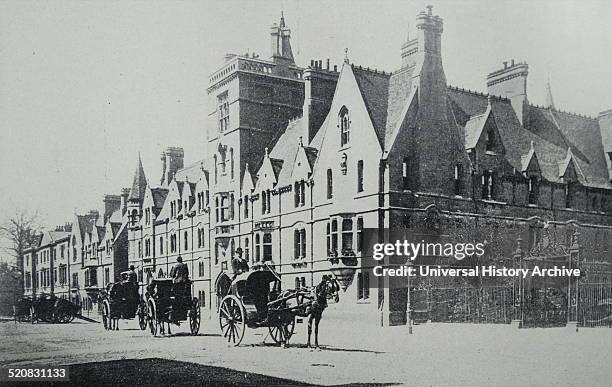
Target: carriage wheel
(152, 317)
(64, 316)
(142, 316)
(194, 317)
(282, 333)
(106, 319)
(232, 319)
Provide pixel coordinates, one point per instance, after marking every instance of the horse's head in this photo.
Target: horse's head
(331, 288)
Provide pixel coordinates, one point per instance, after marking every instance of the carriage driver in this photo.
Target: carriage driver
(239, 264)
(179, 272)
(132, 276)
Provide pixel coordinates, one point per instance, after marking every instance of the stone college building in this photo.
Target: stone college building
(300, 162)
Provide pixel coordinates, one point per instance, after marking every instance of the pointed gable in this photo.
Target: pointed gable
(569, 170)
(529, 162)
(248, 184)
(139, 183)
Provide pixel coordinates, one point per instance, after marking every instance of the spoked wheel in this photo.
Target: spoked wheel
(64, 316)
(282, 333)
(106, 317)
(152, 317)
(194, 317)
(142, 316)
(232, 319)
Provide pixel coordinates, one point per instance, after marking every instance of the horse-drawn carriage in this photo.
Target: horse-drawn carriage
(171, 303)
(121, 301)
(255, 299)
(51, 309)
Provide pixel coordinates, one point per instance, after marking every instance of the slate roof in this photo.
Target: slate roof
(86, 223)
(159, 197)
(473, 130)
(190, 173)
(551, 131)
(385, 96)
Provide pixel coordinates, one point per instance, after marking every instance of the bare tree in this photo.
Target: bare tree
(19, 233)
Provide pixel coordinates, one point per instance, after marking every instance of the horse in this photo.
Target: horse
(326, 290)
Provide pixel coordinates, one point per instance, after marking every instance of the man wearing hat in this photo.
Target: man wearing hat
(239, 264)
(179, 272)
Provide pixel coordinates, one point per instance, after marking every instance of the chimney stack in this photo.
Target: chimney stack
(111, 204)
(125, 194)
(511, 82)
(319, 87)
(172, 161)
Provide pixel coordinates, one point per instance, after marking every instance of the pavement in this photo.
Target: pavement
(353, 352)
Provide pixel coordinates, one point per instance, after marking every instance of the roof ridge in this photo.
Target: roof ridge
(553, 109)
(478, 93)
(373, 71)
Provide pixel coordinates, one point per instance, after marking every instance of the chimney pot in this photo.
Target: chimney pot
(430, 10)
(512, 63)
(335, 68)
(327, 64)
(312, 63)
(505, 65)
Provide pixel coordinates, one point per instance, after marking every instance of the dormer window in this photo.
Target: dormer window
(344, 123)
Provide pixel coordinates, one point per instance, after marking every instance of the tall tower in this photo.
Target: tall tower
(251, 100)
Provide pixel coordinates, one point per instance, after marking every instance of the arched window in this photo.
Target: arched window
(344, 124)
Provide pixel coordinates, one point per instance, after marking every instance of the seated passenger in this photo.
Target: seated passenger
(239, 264)
(179, 272)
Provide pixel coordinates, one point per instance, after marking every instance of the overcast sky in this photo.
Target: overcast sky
(85, 86)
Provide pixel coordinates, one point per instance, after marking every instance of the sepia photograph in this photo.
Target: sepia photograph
(305, 193)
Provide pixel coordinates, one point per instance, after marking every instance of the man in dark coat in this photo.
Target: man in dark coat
(179, 272)
(239, 264)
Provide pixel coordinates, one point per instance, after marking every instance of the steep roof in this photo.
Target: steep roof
(552, 133)
(473, 130)
(385, 96)
(159, 197)
(139, 183)
(86, 223)
(190, 173)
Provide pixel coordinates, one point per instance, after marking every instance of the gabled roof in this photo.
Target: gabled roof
(139, 183)
(551, 132)
(385, 96)
(86, 223)
(277, 166)
(473, 129)
(311, 155)
(159, 197)
(374, 88)
(50, 237)
(565, 164)
(528, 158)
(190, 173)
